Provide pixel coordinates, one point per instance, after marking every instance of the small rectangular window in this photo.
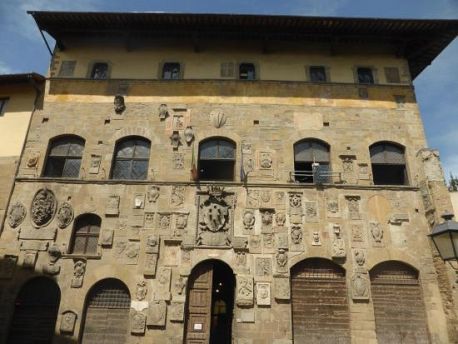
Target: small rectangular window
(67, 68)
(365, 75)
(317, 74)
(392, 75)
(171, 71)
(247, 71)
(227, 70)
(3, 102)
(99, 71)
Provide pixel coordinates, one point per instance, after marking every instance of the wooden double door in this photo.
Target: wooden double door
(210, 304)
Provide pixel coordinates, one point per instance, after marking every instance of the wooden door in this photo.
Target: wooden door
(198, 314)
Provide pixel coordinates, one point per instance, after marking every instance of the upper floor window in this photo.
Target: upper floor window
(311, 157)
(131, 159)
(64, 157)
(365, 75)
(317, 74)
(67, 68)
(392, 75)
(86, 234)
(247, 71)
(171, 71)
(99, 70)
(388, 164)
(216, 159)
(3, 102)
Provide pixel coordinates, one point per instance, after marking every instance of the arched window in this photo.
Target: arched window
(388, 164)
(106, 315)
(64, 157)
(400, 315)
(311, 158)
(86, 234)
(216, 159)
(319, 302)
(131, 158)
(35, 312)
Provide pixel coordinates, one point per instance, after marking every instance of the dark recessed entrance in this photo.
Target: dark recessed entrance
(210, 304)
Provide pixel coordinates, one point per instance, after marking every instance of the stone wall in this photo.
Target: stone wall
(156, 231)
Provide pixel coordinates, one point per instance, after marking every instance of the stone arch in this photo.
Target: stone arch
(396, 283)
(107, 308)
(36, 311)
(134, 131)
(319, 302)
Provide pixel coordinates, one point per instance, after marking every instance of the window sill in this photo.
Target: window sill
(81, 256)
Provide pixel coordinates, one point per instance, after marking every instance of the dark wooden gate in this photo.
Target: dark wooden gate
(198, 315)
(107, 313)
(319, 303)
(35, 312)
(400, 315)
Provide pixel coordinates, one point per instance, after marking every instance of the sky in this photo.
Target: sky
(23, 50)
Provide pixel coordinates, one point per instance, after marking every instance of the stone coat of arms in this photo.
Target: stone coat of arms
(43, 207)
(215, 218)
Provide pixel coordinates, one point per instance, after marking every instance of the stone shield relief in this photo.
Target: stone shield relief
(43, 208)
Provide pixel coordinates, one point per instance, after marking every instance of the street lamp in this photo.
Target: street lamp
(445, 238)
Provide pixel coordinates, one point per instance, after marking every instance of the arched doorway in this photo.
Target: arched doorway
(106, 316)
(35, 312)
(319, 302)
(400, 315)
(210, 304)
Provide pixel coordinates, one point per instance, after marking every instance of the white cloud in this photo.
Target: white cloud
(316, 7)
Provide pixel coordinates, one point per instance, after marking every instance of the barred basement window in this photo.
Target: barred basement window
(309, 155)
(64, 157)
(131, 159)
(247, 71)
(216, 159)
(365, 75)
(86, 234)
(317, 74)
(171, 71)
(388, 164)
(99, 70)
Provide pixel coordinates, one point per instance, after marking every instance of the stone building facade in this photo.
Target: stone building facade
(250, 191)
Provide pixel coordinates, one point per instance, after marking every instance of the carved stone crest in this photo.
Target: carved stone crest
(296, 234)
(177, 196)
(175, 139)
(245, 293)
(176, 311)
(360, 257)
(266, 220)
(16, 215)
(141, 291)
(360, 286)
(218, 118)
(265, 160)
(263, 267)
(163, 111)
(338, 244)
(79, 269)
(119, 105)
(188, 135)
(137, 322)
(67, 324)
(157, 313)
(249, 220)
(316, 241)
(153, 193)
(282, 289)
(263, 294)
(280, 219)
(43, 208)
(282, 260)
(353, 207)
(376, 231)
(64, 215)
(215, 218)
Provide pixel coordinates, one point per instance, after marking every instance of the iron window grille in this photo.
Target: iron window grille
(131, 159)
(64, 157)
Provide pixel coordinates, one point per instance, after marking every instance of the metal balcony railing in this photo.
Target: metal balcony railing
(318, 175)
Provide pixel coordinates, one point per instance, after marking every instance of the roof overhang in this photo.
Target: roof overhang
(419, 41)
(24, 78)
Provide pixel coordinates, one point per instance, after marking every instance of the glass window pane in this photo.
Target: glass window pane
(142, 149)
(208, 150)
(125, 149)
(317, 74)
(94, 229)
(99, 71)
(79, 244)
(59, 148)
(121, 169)
(54, 167)
(91, 247)
(139, 169)
(83, 229)
(71, 168)
(320, 152)
(75, 149)
(226, 150)
(365, 76)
